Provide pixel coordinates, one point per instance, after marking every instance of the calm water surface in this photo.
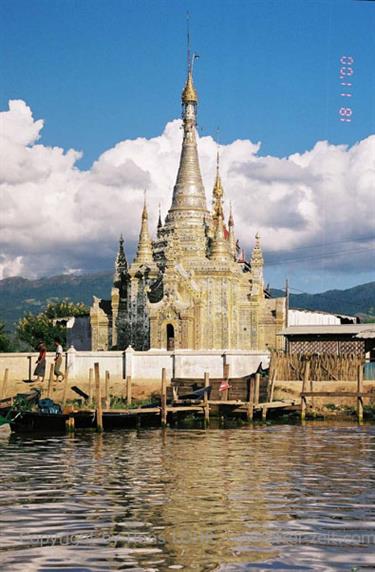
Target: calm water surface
(262, 498)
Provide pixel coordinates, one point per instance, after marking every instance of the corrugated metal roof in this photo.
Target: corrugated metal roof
(367, 334)
(327, 329)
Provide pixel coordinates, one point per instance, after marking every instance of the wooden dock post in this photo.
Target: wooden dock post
(306, 376)
(29, 368)
(4, 384)
(106, 390)
(70, 424)
(163, 400)
(257, 388)
(250, 405)
(360, 391)
(264, 412)
(128, 390)
(272, 386)
(50, 380)
(91, 377)
(98, 399)
(205, 399)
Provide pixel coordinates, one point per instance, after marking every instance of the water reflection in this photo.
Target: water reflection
(268, 497)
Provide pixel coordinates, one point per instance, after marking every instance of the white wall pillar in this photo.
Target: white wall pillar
(129, 361)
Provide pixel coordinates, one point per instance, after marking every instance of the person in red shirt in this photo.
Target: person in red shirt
(40, 369)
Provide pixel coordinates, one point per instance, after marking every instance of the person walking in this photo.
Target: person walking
(40, 369)
(58, 360)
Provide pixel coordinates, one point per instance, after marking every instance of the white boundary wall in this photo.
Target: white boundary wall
(141, 366)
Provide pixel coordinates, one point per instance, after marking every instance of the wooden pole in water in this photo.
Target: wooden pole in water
(250, 405)
(205, 399)
(65, 389)
(98, 399)
(257, 387)
(91, 377)
(128, 389)
(5, 383)
(70, 424)
(50, 380)
(163, 400)
(106, 390)
(306, 376)
(360, 391)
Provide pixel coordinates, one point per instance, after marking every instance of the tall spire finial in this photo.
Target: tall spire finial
(188, 192)
(189, 94)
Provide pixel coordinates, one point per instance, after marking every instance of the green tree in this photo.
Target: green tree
(49, 323)
(5, 341)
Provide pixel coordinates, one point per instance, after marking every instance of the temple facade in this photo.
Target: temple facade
(189, 288)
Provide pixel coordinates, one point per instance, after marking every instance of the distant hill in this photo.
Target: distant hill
(356, 301)
(19, 295)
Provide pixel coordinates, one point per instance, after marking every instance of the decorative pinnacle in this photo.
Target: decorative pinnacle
(257, 256)
(219, 245)
(144, 212)
(230, 220)
(189, 93)
(121, 263)
(144, 249)
(232, 238)
(160, 224)
(218, 192)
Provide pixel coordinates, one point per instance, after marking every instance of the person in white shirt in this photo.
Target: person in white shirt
(58, 360)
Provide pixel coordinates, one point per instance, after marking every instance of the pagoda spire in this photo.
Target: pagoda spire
(219, 249)
(144, 249)
(257, 263)
(257, 260)
(188, 192)
(121, 264)
(160, 223)
(218, 192)
(232, 238)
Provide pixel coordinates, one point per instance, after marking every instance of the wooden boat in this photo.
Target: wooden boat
(36, 422)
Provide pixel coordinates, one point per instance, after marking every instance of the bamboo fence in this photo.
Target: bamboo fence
(324, 367)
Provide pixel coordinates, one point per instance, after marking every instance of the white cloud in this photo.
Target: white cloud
(55, 217)
(10, 266)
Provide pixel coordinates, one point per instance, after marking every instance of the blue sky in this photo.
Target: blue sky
(99, 72)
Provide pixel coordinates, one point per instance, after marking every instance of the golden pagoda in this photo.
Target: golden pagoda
(189, 289)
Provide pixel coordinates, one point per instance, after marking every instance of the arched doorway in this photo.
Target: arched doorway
(170, 337)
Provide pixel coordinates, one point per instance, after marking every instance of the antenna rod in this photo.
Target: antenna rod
(286, 302)
(188, 40)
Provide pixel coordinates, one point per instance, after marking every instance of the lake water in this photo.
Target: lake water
(277, 497)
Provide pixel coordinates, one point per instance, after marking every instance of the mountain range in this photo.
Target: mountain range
(20, 295)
